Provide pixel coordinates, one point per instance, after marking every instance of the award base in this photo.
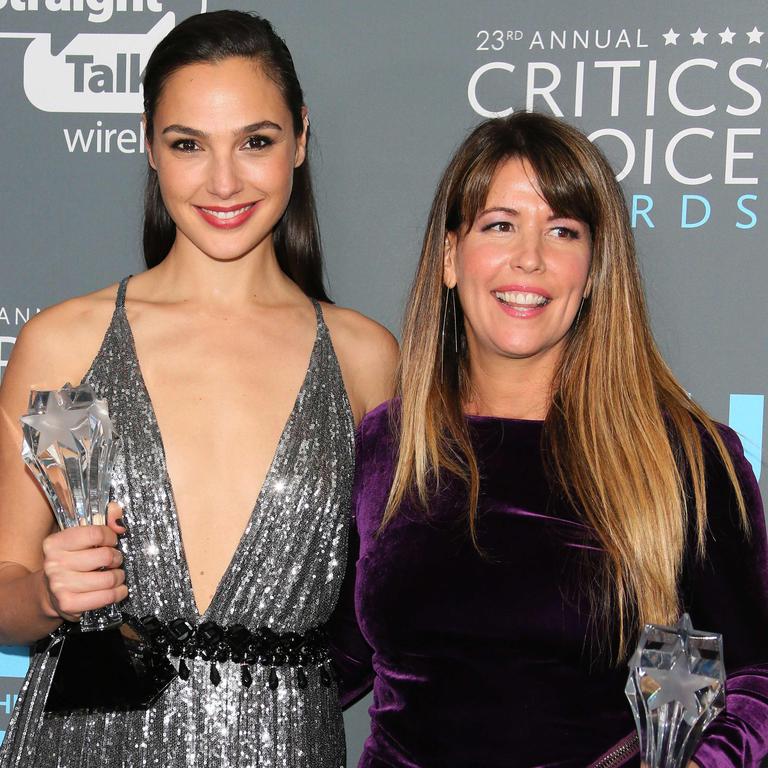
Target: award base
(115, 669)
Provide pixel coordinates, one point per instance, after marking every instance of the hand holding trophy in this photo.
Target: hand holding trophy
(104, 660)
(69, 446)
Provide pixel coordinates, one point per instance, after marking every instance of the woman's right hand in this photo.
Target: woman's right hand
(82, 567)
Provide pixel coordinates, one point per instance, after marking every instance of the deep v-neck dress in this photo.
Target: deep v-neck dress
(285, 574)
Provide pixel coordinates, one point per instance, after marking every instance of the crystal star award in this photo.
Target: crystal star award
(676, 687)
(106, 660)
(69, 446)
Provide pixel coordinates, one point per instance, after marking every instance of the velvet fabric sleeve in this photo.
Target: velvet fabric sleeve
(350, 652)
(727, 592)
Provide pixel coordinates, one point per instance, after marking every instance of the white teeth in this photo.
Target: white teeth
(224, 215)
(521, 299)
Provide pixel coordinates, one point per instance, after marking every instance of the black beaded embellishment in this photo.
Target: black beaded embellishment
(181, 639)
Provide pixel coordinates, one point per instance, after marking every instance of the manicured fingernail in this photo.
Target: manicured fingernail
(120, 521)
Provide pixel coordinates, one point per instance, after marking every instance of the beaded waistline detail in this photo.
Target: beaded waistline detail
(296, 655)
(293, 653)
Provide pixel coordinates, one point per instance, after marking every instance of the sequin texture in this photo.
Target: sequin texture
(285, 574)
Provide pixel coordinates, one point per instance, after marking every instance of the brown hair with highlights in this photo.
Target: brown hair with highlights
(622, 436)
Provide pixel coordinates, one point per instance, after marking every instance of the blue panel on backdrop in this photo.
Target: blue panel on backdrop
(14, 661)
(745, 417)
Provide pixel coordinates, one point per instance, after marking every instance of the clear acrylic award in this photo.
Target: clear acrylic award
(69, 446)
(676, 687)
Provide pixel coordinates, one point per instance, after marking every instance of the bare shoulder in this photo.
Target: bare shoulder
(59, 343)
(368, 354)
(351, 328)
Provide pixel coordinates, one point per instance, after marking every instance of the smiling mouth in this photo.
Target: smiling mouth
(230, 217)
(521, 299)
(226, 215)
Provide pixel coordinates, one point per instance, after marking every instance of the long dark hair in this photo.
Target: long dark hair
(210, 38)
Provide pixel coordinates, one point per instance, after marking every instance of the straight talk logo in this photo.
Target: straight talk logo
(98, 11)
(97, 71)
(94, 71)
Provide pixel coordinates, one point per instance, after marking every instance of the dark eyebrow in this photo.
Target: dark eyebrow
(176, 128)
(498, 209)
(260, 126)
(185, 129)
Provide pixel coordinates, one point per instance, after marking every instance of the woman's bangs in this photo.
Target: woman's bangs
(565, 184)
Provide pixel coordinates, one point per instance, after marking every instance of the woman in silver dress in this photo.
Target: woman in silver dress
(230, 378)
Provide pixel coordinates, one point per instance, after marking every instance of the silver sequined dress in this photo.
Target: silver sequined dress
(285, 574)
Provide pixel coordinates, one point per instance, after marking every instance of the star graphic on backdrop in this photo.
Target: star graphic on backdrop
(755, 35)
(670, 38)
(726, 36)
(698, 37)
(678, 684)
(57, 425)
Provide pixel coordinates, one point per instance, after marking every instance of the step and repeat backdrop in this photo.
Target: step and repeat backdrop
(672, 91)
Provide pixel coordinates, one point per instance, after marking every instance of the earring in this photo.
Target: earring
(455, 327)
(449, 292)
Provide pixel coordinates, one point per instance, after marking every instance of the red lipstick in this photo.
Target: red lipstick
(226, 217)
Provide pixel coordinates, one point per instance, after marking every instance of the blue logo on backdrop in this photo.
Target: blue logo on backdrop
(745, 417)
(13, 665)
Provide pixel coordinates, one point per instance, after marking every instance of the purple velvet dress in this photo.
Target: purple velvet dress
(488, 661)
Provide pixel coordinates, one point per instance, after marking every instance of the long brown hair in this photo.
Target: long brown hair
(622, 437)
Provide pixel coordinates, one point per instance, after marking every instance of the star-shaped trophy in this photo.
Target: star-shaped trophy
(69, 445)
(676, 687)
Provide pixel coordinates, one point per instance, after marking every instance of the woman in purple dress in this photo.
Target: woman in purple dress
(542, 487)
